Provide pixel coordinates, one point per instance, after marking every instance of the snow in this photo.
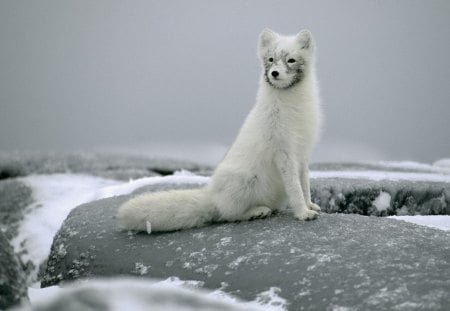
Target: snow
(141, 269)
(441, 222)
(199, 152)
(169, 294)
(182, 177)
(442, 164)
(437, 172)
(271, 298)
(439, 166)
(41, 295)
(382, 175)
(56, 195)
(382, 202)
(148, 226)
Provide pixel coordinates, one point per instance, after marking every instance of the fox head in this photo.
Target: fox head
(285, 59)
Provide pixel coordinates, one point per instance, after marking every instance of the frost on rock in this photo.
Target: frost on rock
(123, 166)
(15, 200)
(173, 280)
(366, 259)
(13, 287)
(414, 188)
(141, 269)
(335, 261)
(381, 198)
(272, 298)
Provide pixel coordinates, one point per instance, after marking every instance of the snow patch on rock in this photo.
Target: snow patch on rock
(54, 197)
(382, 202)
(171, 294)
(441, 222)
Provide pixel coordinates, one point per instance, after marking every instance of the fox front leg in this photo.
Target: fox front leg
(296, 200)
(304, 180)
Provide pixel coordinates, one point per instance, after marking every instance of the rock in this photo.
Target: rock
(118, 294)
(13, 288)
(406, 167)
(336, 261)
(362, 196)
(381, 189)
(109, 165)
(15, 197)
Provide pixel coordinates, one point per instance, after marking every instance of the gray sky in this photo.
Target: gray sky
(111, 74)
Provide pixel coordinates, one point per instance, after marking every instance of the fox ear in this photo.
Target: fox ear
(266, 38)
(304, 38)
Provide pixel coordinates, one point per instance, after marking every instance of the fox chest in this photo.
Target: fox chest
(289, 128)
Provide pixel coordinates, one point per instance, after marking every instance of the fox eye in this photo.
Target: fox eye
(271, 59)
(291, 60)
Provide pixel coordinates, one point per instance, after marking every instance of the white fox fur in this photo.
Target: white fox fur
(267, 165)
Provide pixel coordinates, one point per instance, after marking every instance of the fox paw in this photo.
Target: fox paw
(259, 212)
(314, 207)
(306, 215)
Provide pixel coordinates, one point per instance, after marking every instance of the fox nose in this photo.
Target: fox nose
(275, 73)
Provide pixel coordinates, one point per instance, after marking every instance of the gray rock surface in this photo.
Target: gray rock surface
(110, 165)
(198, 258)
(406, 167)
(336, 261)
(15, 197)
(13, 288)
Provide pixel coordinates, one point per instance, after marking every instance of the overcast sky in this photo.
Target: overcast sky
(84, 75)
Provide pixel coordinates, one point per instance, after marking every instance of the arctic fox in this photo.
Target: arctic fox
(266, 168)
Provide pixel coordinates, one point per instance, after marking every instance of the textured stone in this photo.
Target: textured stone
(15, 197)
(357, 196)
(13, 288)
(109, 165)
(335, 261)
